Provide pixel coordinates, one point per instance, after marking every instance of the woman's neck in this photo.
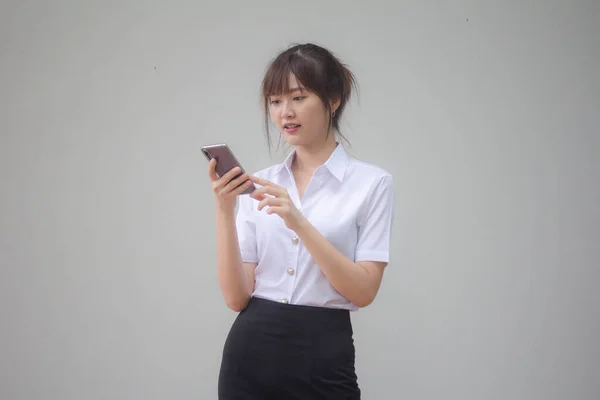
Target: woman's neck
(308, 158)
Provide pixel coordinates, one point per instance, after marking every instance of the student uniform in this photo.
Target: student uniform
(294, 339)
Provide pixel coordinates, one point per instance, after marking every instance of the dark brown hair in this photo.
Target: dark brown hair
(318, 71)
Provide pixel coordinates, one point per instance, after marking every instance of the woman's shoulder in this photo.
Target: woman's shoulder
(367, 170)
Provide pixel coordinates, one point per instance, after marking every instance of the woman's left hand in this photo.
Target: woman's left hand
(278, 200)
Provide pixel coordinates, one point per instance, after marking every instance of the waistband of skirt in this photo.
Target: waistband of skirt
(265, 309)
(298, 308)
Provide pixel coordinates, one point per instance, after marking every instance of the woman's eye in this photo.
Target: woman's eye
(299, 98)
(274, 101)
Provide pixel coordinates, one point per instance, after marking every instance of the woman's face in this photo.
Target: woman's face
(299, 115)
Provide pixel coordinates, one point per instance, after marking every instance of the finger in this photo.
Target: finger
(231, 173)
(263, 182)
(257, 195)
(212, 173)
(275, 210)
(212, 164)
(276, 191)
(260, 193)
(237, 191)
(232, 185)
(268, 201)
(224, 180)
(263, 203)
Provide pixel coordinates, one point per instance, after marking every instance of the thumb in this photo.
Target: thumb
(211, 170)
(256, 195)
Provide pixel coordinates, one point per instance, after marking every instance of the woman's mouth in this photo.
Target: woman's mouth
(291, 128)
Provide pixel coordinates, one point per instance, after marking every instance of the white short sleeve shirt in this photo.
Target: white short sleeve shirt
(350, 202)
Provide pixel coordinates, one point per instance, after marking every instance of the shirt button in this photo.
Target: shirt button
(285, 301)
(290, 271)
(295, 240)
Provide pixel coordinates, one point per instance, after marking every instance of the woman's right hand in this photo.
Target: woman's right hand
(226, 192)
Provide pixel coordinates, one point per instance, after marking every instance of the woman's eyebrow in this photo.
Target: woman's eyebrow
(290, 91)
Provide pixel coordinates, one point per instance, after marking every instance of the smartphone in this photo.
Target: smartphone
(226, 161)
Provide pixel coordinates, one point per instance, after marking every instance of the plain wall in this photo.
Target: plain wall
(486, 113)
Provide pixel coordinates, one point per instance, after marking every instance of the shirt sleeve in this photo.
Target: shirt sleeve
(375, 224)
(246, 229)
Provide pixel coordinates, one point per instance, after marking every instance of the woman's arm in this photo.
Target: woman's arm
(359, 282)
(236, 278)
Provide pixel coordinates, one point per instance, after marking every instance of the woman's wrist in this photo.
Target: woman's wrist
(225, 210)
(302, 225)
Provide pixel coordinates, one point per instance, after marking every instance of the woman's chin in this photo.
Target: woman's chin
(293, 140)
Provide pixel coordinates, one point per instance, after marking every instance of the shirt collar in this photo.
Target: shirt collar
(336, 164)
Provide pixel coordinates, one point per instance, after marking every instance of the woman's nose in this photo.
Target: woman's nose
(287, 111)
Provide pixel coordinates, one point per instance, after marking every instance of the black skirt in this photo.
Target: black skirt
(285, 352)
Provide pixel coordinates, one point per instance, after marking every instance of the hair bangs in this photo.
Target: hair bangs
(277, 79)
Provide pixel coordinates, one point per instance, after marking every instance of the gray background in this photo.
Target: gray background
(486, 113)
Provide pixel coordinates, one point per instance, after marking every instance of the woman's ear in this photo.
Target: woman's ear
(335, 104)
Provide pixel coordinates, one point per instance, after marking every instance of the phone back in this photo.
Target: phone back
(226, 161)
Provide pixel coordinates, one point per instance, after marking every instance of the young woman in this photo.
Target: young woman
(305, 248)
